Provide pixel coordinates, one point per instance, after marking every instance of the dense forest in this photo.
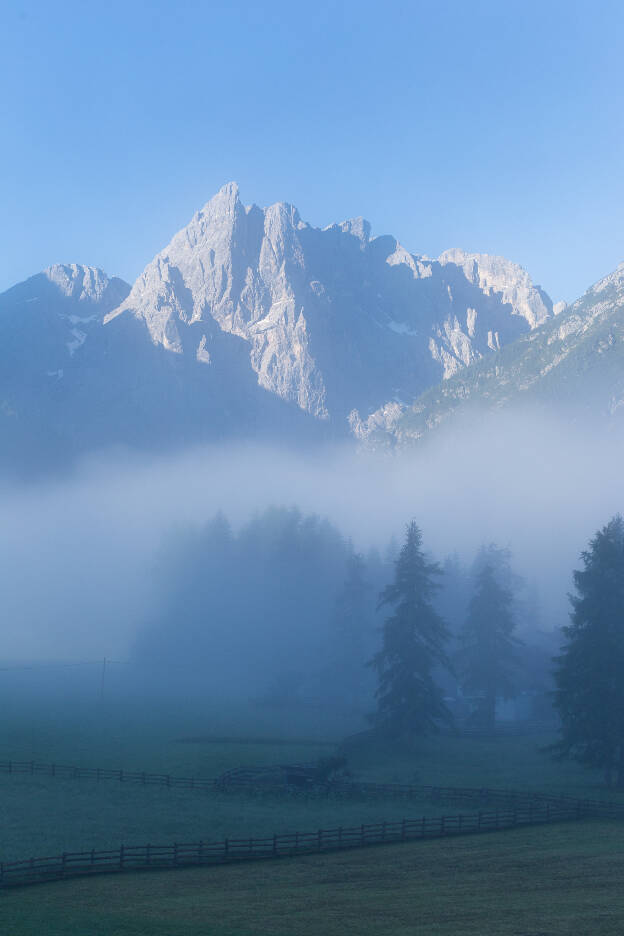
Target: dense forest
(285, 610)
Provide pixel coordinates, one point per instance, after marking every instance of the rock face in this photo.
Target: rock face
(334, 321)
(250, 323)
(510, 281)
(88, 286)
(572, 365)
(46, 319)
(69, 385)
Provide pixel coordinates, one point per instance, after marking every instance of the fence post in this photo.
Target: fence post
(442, 825)
(92, 857)
(274, 844)
(175, 854)
(226, 849)
(320, 839)
(479, 821)
(121, 776)
(121, 856)
(403, 831)
(63, 863)
(422, 827)
(362, 835)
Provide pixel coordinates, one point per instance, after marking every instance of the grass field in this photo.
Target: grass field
(550, 881)
(46, 815)
(529, 882)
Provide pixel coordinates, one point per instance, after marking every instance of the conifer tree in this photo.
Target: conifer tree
(589, 672)
(487, 656)
(408, 700)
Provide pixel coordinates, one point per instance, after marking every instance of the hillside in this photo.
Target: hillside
(572, 366)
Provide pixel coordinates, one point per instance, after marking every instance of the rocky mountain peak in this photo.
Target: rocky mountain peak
(85, 283)
(359, 227)
(511, 281)
(226, 200)
(333, 321)
(252, 320)
(613, 281)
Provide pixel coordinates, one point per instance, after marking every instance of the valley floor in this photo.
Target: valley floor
(526, 882)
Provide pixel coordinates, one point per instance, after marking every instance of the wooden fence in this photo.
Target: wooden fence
(101, 773)
(250, 778)
(144, 857)
(237, 780)
(514, 808)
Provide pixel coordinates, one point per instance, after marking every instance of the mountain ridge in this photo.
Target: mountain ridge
(252, 323)
(301, 297)
(572, 365)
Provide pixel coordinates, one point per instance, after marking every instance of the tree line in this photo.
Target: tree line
(588, 672)
(290, 611)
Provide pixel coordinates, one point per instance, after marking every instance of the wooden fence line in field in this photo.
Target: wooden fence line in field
(101, 773)
(143, 857)
(242, 780)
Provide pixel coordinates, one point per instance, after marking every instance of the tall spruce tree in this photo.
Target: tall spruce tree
(408, 700)
(487, 655)
(589, 673)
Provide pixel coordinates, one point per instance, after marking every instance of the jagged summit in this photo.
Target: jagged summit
(613, 281)
(573, 366)
(324, 311)
(48, 319)
(84, 283)
(251, 322)
(511, 281)
(359, 227)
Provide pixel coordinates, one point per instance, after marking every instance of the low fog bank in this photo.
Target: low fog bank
(79, 559)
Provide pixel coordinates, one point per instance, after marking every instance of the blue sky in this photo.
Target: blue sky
(494, 126)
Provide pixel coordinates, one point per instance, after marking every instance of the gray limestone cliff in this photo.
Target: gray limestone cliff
(334, 321)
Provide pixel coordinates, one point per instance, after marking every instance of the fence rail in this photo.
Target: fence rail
(185, 854)
(238, 779)
(513, 808)
(101, 773)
